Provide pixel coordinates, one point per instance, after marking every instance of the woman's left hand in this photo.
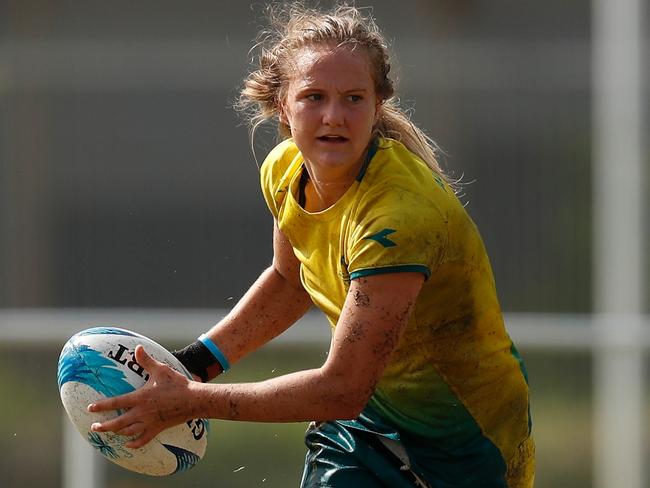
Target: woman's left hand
(163, 402)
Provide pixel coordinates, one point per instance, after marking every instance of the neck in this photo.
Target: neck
(324, 188)
(322, 195)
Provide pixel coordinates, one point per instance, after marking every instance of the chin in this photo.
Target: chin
(336, 162)
(338, 156)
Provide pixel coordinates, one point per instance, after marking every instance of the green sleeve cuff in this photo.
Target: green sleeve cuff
(404, 268)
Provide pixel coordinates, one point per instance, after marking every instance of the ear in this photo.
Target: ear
(378, 111)
(282, 114)
(282, 117)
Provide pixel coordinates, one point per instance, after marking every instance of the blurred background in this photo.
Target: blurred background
(129, 195)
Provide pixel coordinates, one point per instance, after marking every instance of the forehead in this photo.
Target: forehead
(340, 65)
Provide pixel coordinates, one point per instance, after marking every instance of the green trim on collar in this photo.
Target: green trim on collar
(372, 150)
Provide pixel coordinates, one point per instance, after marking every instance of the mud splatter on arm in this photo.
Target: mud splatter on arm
(375, 315)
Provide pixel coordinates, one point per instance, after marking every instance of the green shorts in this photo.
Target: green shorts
(366, 453)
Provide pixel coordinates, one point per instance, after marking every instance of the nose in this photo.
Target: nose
(333, 114)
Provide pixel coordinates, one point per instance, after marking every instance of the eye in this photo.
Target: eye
(355, 98)
(314, 97)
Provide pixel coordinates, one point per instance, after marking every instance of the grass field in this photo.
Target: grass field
(270, 455)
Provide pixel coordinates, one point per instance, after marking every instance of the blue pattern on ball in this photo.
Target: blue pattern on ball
(98, 443)
(184, 459)
(106, 330)
(85, 365)
(81, 363)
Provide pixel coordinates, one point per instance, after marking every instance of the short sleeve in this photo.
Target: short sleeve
(274, 177)
(397, 233)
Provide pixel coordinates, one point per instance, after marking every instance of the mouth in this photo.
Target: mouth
(332, 139)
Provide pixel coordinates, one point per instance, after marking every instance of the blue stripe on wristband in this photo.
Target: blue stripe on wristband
(216, 352)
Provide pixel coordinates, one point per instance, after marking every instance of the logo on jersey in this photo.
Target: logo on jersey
(381, 237)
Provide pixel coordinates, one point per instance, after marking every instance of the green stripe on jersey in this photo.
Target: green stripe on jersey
(404, 268)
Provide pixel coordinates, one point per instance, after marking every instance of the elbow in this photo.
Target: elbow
(345, 393)
(342, 412)
(354, 412)
(358, 402)
(349, 400)
(347, 411)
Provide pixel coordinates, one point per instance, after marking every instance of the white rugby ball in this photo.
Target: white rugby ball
(98, 363)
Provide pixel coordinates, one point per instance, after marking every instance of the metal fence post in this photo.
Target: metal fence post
(81, 466)
(618, 209)
(618, 402)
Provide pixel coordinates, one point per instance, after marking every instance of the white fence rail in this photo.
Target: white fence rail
(536, 331)
(81, 466)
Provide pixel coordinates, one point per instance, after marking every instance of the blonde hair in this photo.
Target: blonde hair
(294, 26)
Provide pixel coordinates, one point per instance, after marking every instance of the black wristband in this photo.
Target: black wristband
(197, 359)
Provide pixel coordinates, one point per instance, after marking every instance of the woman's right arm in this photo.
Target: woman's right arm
(272, 304)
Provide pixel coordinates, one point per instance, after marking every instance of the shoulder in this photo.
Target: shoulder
(395, 162)
(401, 215)
(397, 182)
(276, 172)
(279, 158)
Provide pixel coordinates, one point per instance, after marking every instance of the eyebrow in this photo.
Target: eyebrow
(310, 87)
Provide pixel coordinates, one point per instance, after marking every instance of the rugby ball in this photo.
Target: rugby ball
(99, 362)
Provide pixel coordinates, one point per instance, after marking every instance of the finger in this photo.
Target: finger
(146, 437)
(146, 361)
(113, 425)
(127, 400)
(135, 428)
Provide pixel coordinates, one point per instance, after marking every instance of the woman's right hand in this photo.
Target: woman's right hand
(163, 402)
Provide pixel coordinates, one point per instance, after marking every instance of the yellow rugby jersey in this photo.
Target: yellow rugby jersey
(455, 373)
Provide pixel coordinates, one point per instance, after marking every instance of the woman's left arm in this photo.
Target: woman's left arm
(376, 311)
